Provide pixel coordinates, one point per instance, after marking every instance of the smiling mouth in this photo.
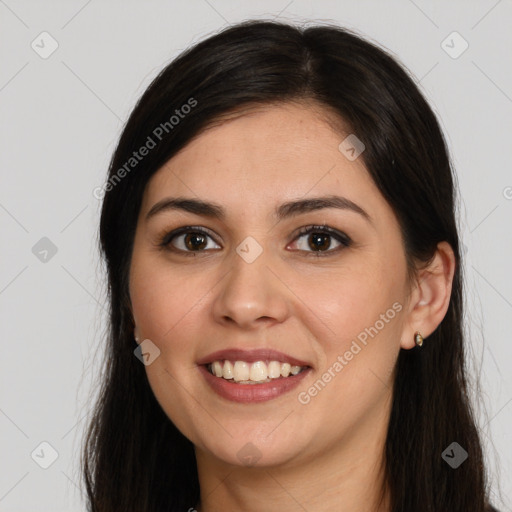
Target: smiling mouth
(257, 372)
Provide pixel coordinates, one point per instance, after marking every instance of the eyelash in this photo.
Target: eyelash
(345, 241)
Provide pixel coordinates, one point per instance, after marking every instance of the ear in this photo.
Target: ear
(430, 296)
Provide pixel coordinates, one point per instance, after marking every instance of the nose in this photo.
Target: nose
(251, 296)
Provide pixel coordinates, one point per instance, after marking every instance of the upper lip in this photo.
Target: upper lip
(251, 356)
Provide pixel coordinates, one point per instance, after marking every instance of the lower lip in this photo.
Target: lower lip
(248, 393)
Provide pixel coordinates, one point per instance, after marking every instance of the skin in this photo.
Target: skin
(325, 455)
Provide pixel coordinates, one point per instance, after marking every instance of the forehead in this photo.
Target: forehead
(262, 157)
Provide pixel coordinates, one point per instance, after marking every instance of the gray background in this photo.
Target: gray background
(60, 119)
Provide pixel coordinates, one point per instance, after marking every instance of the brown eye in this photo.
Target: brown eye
(195, 241)
(319, 241)
(189, 240)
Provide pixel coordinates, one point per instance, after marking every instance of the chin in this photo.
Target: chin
(254, 451)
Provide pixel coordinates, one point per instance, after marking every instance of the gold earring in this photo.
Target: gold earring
(418, 338)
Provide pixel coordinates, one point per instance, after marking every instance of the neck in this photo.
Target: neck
(347, 478)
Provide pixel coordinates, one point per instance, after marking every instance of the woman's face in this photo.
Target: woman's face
(242, 288)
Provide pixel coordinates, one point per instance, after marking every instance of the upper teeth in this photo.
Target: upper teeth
(259, 371)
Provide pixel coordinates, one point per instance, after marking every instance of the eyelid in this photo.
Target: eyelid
(167, 235)
(164, 240)
(322, 228)
(342, 238)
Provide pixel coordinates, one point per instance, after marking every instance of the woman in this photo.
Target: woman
(285, 287)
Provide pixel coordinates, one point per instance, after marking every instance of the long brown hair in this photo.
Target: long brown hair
(133, 457)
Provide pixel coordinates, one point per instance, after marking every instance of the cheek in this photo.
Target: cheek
(165, 306)
(358, 352)
(162, 299)
(350, 299)
(361, 309)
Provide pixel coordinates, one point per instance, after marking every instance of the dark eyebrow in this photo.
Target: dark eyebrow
(196, 206)
(285, 210)
(300, 206)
